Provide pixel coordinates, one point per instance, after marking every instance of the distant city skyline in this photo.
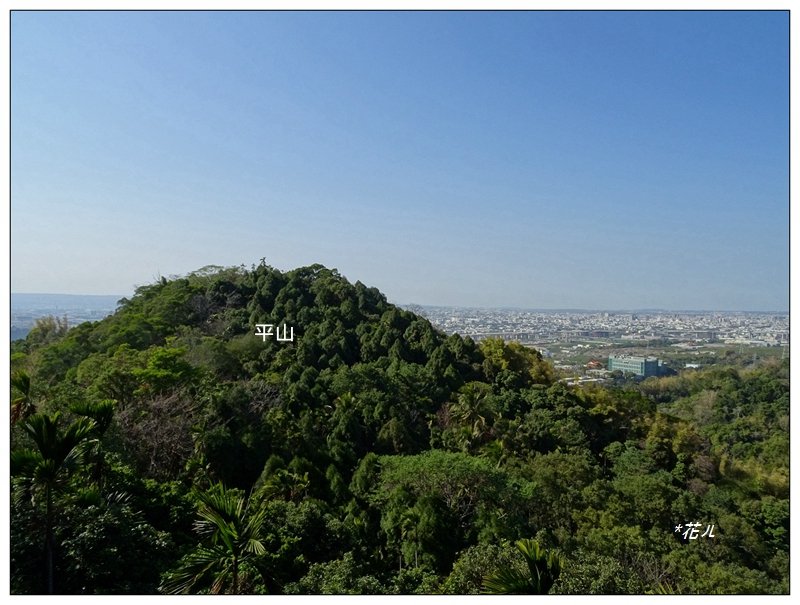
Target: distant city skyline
(533, 160)
(23, 299)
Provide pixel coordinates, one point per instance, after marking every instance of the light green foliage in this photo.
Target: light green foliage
(47, 329)
(111, 375)
(382, 455)
(165, 369)
(53, 361)
(693, 575)
(514, 366)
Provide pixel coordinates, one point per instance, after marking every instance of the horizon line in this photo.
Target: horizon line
(591, 310)
(497, 307)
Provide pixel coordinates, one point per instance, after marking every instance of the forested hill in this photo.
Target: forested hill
(371, 453)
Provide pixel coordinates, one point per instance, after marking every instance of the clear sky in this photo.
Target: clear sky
(567, 160)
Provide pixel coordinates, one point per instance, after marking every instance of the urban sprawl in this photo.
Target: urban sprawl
(608, 340)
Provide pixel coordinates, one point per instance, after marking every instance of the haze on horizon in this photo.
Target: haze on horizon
(42, 300)
(563, 160)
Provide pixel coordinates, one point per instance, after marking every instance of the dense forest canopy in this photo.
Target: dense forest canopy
(168, 448)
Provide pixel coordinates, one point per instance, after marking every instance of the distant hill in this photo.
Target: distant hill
(372, 453)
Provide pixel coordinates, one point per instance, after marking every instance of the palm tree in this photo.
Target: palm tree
(543, 570)
(22, 405)
(102, 414)
(233, 533)
(472, 408)
(46, 468)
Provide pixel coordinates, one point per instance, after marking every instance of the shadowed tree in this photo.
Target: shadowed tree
(47, 468)
(102, 414)
(472, 408)
(22, 405)
(233, 533)
(543, 570)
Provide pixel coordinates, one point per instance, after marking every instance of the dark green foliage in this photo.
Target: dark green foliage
(107, 547)
(237, 433)
(560, 479)
(432, 505)
(232, 534)
(378, 455)
(589, 573)
(27, 556)
(44, 470)
(56, 453)
(543, 569)
(22, 405)
(477, 562)
(342, 576)
(297, 536)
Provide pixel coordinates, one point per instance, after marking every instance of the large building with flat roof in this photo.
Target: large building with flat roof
(641, 366)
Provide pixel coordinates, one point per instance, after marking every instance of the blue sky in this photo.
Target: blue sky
(546, 160)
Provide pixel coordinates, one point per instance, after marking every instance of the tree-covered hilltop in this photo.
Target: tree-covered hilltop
(168, 448)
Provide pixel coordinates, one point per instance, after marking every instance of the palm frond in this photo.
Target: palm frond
(21, 381)
(23, 462)
(232, 529)
(544, 567)
(194, 569)
(22, 405)
(507, 581)
(102, 413)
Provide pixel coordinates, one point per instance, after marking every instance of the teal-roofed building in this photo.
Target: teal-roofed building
(641, 366)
